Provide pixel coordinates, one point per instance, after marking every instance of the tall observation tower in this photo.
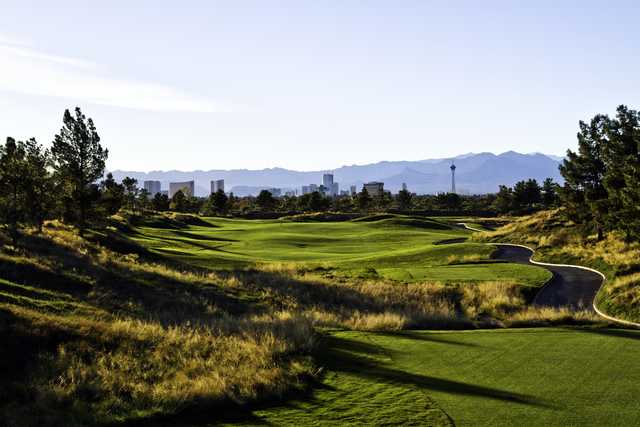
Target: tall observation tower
(453, 177)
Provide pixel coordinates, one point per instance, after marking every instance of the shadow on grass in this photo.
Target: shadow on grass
(344, 355)
(338, 354)
(631, 334)
(196, 236)
(422, 336)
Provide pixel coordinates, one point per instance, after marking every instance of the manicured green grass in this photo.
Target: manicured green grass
(499, 377)
(395, 247)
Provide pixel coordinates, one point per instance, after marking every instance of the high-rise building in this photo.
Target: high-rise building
(217, 185)
(186, 187)
(335, 189)
(313, 187)
(404, 186)
(353, 190)
(375, 189)
(152, 187)
(327, 180)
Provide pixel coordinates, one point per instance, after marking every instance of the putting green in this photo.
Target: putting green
(395, 247)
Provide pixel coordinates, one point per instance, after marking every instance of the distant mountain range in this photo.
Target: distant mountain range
(476, 173)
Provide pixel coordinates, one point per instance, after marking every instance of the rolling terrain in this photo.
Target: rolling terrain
(545, 377)
(183, 320)
(403, 248)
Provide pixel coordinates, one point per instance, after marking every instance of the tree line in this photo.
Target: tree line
(37, 183)
(67, 182)
(602, 178)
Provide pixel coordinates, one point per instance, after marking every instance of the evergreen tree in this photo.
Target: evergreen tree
(160, 202)
(130, 192)
(317, 202)
(584, 194)
(179, 202)
(79, 161)
(549, 193)
(622, 178)
(404, 200)
(231, 202)
(13, 170)
(220, 201)
(363, 199)
(143, 203)
(266, 201)
(39, 186)
(504, 200)
(111, 195)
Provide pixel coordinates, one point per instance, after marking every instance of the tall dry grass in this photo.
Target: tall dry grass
(154, 337)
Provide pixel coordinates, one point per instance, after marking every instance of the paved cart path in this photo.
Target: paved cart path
(570, 286)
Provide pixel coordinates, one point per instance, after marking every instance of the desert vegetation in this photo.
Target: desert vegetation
(561, 240)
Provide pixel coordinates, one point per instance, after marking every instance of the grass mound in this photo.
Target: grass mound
(93, 336)
(561, 241)
(374, 217)
(321, 217)
(133, 323)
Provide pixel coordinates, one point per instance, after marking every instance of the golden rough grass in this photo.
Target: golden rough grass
(113, 369)
(559, 240)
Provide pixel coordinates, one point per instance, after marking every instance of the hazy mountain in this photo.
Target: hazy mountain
(476, 173)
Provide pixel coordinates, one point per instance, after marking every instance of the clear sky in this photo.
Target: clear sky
(315, 84)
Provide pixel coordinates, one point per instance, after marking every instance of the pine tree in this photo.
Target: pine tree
(111, 195)
(504, 200)
(364, 199)
(549, 193)
(584, 194)
(265, 200)
(79, 162)
(404, 200)
(13, 170)
(622, 179)
(39, 186)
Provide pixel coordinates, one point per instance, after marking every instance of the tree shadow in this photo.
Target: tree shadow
(427, 337)
(195, 236)
(343, 355)
(617, 332)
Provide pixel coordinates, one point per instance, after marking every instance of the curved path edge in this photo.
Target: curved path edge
(582, 267)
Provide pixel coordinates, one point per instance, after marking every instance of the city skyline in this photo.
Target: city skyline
(311, 86)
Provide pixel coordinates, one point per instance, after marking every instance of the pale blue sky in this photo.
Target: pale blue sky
(318, 84)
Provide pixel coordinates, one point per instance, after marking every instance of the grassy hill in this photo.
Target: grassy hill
(402, 248)
(187, 319)
(559, 240)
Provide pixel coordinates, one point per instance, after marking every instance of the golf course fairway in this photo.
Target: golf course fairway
(544, 376)
(402, 248)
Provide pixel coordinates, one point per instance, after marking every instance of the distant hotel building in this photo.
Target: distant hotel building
(186, 187)
(331, 188)
(375, 189)
(217, 185)
(152, 187)
(353, 190)
(404, 186)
